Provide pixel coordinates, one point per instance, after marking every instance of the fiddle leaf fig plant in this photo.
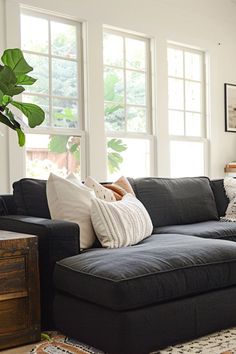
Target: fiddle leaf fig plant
(13, 77)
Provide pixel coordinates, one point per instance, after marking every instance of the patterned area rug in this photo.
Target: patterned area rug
(223, 342)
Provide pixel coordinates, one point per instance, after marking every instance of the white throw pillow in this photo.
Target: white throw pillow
(72, 178)
(230, 190)
(71, 202)
(100, 191)
(122, 223)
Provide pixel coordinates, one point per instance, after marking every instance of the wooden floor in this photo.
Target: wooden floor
(19, 350)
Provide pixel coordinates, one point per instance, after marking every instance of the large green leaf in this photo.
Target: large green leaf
(6, 121)
(11, 117)
(58, 143)
(25, 80)
(34, 113)
(114, 161)
(117, 145)
(14, 59)
(1, 97)
(8, 82)
(21, 137)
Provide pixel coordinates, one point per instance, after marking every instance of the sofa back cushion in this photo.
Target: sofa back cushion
(221, 198)
(30, 197)
(176, 201)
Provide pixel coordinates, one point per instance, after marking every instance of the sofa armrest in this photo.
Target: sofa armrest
(57, 239)
(61, 238)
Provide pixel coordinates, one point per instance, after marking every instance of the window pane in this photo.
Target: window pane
(34, 34)
(192, 96)
(52, 153)
(176, 123)
(64, 78)
(176, 93)
(192, 66)
(193, 124)
(136, 87)
(136, 119)
(113, 85)
(113, 50)
(175, 62)
(41, 72)
(63, 38)
(187, 158)
(43, 102)
(114, 117)
(65, 113)
(134, 161)
(135, 53)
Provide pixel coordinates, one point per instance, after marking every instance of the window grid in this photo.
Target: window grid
(138, 137)
(188, 165)
(126, 69)
(184, 79)
(75, 131)
(50, 96)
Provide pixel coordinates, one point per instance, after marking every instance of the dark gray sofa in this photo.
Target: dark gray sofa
(171, 287)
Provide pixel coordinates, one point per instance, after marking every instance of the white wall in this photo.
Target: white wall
(202, 24)
(4, 168)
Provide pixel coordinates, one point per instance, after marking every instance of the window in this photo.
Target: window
(127, 104)
(186, 111)
(52, 46)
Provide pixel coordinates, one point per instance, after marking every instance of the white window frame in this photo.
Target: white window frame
(149, 135)
(185, 138)
(51, 130)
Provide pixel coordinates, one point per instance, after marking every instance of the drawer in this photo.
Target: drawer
(13, 316)
(12, 274)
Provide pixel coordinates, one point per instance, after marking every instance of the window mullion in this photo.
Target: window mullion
(125, 87)
(50, 73)
(184, 92)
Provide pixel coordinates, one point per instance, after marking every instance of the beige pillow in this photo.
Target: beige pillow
(120, 188)
(122, 223)
(71, 202)
(100, 191)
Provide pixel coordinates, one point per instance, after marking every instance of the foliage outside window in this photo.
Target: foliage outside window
(127, 102)
(53, 46)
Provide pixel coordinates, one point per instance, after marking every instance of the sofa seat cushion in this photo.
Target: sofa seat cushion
(207, 229)
(159, 269)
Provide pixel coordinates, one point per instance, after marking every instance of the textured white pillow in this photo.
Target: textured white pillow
(122, 223)
(71, 202)
(100, 191)
(230, 187)
(230, 190)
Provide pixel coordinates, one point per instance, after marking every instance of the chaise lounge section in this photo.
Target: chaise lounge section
(134, 300)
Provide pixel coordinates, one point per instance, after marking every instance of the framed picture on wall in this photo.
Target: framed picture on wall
(230, 108)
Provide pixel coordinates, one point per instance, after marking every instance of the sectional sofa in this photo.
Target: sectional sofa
(177, 284)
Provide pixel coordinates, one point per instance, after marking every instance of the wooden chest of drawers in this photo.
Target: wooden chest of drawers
(19, 290)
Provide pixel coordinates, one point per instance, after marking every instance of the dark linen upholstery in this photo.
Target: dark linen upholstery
(30, 197)
(3, 207)
(146, 329)
(169, 266)
(207, 229)
(56, 240)
(8, 204)
(221, 199)
(176, 201)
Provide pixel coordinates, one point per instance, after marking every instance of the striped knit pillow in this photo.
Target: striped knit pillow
(122, 223)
